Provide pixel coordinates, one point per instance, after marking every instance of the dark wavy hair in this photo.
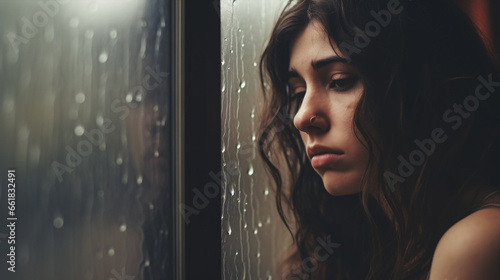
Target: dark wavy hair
(427, 60)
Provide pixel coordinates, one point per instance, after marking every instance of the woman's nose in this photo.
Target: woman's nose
(312, 116)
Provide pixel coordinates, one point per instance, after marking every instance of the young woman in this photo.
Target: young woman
(387, 117)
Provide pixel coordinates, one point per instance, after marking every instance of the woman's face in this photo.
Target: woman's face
(327, 89)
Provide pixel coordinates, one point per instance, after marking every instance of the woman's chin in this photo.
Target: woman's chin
(339, 188)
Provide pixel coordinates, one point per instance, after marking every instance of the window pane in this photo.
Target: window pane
(87, 113)
(253, 237)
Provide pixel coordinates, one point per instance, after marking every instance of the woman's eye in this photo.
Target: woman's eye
(343, 84)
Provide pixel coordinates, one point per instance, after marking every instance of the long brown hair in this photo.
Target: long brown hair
(423, 66)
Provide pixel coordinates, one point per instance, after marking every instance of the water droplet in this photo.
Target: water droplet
(253, 137)
(113, 34)
(223, 62)
(259, 224)
(229, 230)
(236, 253)
(268, 221)
(138, 97)
(242, 45)
(223, 148)
(151, 206)
(58, 222)
(255, 231)
(231, 51)
(243, 84)
(238, 146)
(123, 227)
(139, 180)
(225, 39)
(255, 64)
(223, 87)
(250, 170)
(74, 22)
(157, 153)
(129, 97)
(258, 255)
(80, 97)
(245, 226)
(99, 120)
(103, 57)
(155, 108)
(239, 90)
(119, 160)
(266, 192)
(111, 252)
(79, 130)
(232, 190)
(146, 263)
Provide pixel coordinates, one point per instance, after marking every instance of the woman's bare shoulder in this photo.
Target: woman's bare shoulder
(470, 249)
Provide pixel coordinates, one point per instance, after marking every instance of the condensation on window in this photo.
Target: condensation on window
(253, 236)
(85, 116)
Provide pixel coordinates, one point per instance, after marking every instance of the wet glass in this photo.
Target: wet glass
(253, 235)
(88, 113)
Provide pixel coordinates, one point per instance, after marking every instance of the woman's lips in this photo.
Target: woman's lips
(326, 160)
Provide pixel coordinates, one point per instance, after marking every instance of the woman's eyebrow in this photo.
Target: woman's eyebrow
(325, 61)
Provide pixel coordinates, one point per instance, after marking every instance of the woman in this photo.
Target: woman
(386, 116)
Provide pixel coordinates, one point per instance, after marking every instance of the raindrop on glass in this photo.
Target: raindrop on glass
(255, 231)
(232, 190)
(255, 64)
(266, 192)
(146, 263)
(238, 146)
(111, 252)
(119, 160)
(243, 84)
(259, 224)
(123, 227)
(258, 255)
(113, 34)
(139, 180)
(129, 97)
(268, 221)
(229, 230)
(223, 148)
(79, 130)
(99, 120)
(58, 222)
(80, 97)
(103, 57)
(250, 170)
